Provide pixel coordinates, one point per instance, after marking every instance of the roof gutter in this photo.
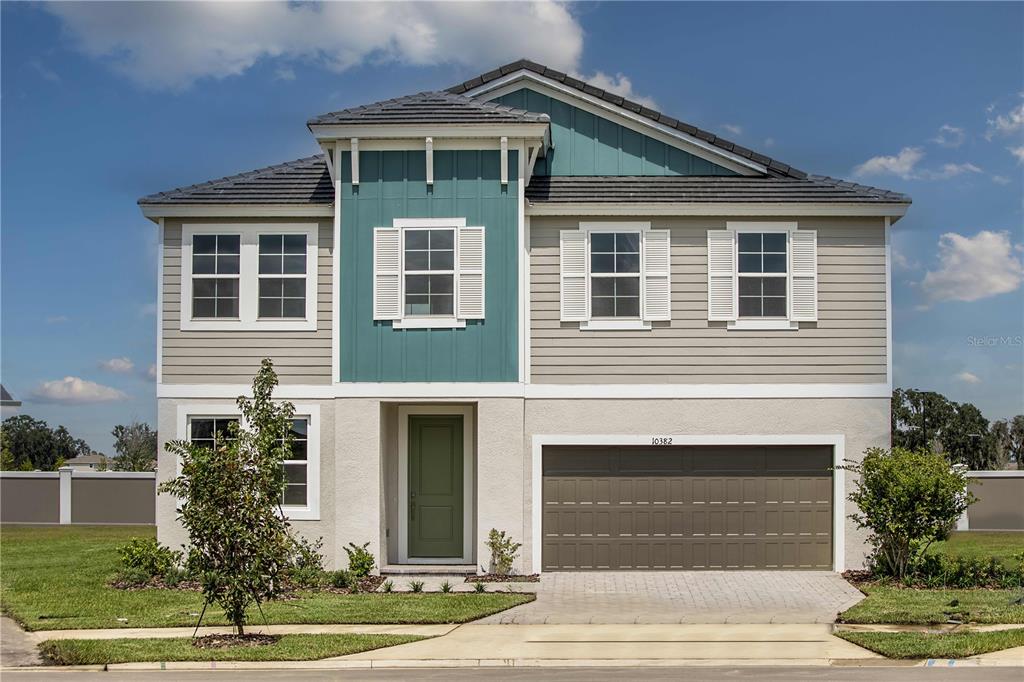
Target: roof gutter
(203, 210)
(364, 131)
(894, 211)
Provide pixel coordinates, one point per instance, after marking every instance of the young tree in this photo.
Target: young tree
(1016, 440)
(908, 499)
(230, 503)
(136, 445)
(918, 417)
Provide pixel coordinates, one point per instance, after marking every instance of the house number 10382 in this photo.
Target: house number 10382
(661, 440)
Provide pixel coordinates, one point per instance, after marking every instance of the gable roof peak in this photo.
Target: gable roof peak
(774, 167)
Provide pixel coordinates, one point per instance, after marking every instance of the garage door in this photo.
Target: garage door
(687, 508)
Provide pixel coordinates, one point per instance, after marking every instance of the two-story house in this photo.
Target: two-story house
(529, 304)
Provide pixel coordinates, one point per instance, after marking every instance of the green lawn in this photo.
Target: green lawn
(981, 545)
(902, 606)
(288, 648)
(946, 645)
(54, 578)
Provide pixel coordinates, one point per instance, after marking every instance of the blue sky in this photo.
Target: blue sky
(102, 104)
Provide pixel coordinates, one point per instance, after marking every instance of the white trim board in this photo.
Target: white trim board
(473, 391)
(468, 482)
(154, 211)
(837, 441)
(577, 209)
(368, 131)
(624, 117)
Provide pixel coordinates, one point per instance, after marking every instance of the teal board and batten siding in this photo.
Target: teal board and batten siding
(467, 184)
(586, 144)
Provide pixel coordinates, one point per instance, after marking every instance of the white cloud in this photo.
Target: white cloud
(122, 365)
(901, 262)
(1018, 152)
(1006, 124)
(75, 391)
(972, 268)
(901, 165)
(284, 73)
(618, 84)
(967, 378)
(147, 310)
(732, 129)
(172, 45)
(151, 372)
(1001, 180)
(769, 142)
(905, 165)
(949, 136)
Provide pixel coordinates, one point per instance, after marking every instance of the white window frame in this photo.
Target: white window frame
(767, 323)
(428, 321)
(625, 323)
(309, 411)
(248, 278)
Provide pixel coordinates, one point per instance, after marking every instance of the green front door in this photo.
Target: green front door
(435, 486)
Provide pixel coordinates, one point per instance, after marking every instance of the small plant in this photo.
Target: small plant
(340, 578)
(306, 554)
(360, 560)
(416, 585)
(388, 586)
(172, 577)
(503, 551)
(307, 577)
(132, 577)
(148, 556)
(446, 587)
(479, 587)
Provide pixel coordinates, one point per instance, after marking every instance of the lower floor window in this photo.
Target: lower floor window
(762, 296)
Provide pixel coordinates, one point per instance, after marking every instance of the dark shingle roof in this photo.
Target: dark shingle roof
(690, 189)
(430, 107)
(304, 181)
(775, 168)
(6, 397)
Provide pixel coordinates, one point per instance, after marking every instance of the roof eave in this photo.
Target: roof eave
(324, 132)
(844, 209)
(180, 209)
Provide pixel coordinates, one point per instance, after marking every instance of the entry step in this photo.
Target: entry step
(428, 569)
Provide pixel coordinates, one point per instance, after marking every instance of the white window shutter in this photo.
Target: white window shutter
(573, 276)
(657, 276)
(387, 273)
(470, 288)
(721, 275)
(803, 268)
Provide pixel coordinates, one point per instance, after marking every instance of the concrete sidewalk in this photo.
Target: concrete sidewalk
(152, 633)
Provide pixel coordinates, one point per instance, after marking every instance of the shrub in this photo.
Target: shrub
(389, 586)
(446, 587)
(148, 556)
(503, 551)
(908, 500)
(416, 585)
(306, 577)
(340, 578)
(940, 571)
(172, 577)
(306, 554)
(132, 577)
(360, 560)
(479, 587)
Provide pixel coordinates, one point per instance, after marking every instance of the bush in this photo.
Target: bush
(416, 585)
(172, 577)
(306, 554)
(908, 500)
(389, 586)
(940, 571)
(306, 577)
(360, 560)
(503, 551)
(479, 587)
(132, 577)
(446, 587)
(148, 556)
(340, 579)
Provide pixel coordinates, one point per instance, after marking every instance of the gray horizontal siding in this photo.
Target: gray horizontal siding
(232, 357)
(847, 344)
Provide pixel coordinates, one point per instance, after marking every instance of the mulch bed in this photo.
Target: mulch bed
(496, 578)
(230, 641)
(857, 578)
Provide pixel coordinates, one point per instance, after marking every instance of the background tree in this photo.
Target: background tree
(1000, 430)
(31, 444)
(966, 438)
(1016, 440)
(136, 445)
(918, 418)
(230, 503)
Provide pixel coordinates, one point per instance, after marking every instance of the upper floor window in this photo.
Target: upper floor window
(428, 273)
(260, 276)
(762, 269)
(615, 275)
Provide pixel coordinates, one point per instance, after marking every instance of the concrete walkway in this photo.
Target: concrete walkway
(666, 597)
(152, 633)
(17, 647)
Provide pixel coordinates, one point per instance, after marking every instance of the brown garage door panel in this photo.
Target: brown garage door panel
(687, 508)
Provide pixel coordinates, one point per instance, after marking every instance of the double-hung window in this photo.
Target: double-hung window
(615, 275)
(300, 499)
(249, 277)
(428, 273)
(762, 275)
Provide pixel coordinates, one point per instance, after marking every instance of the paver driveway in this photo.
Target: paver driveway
(685, 597)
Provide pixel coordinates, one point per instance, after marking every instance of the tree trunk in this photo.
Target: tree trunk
(241, 631)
